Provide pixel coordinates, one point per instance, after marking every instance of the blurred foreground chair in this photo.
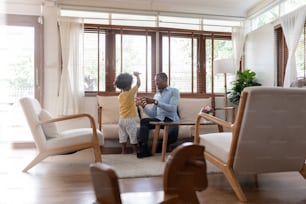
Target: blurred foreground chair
(184, 174)
(49, 141)
(268, 135)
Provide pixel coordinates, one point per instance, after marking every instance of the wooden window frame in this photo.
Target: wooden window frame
(156, 32)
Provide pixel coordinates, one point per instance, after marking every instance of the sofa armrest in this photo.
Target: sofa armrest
(108, 109)
(227, 108)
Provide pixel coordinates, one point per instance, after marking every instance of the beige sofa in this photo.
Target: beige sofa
(108, 117)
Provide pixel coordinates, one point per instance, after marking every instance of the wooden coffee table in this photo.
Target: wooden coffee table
(166, 126)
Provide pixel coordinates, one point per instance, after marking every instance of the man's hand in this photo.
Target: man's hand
(140, 101)
(150, 100)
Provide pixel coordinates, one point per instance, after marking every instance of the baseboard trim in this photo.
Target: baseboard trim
(23, 145)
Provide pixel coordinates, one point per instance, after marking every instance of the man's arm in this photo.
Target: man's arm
(151, 112)
(173, 102)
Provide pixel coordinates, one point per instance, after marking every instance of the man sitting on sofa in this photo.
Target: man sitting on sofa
(165, 104)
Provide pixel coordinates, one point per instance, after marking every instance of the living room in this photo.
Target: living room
(258, 52)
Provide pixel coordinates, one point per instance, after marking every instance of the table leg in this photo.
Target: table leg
(165, 141)
(155, 138)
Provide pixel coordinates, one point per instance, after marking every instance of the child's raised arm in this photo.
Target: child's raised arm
(136, 74)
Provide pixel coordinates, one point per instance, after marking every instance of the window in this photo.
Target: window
(94, 60)
(183, 47)
(217, 47)
(133, 53)
(290, 5)
(179, 61)
(189, 65)
(266, 17)
(109, 52)
(177, 22)
(277, 10)
(184, 55)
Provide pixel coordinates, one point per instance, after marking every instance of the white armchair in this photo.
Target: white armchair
(50, 141)
(267, 136)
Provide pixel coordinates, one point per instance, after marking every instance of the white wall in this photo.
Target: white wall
(260, 55)
(51, 60)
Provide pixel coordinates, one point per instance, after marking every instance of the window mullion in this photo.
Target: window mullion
(121, 48)
(169, 56)
(146, 61)
(98, 67)
(192, 77)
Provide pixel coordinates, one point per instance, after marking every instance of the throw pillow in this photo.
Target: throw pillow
(49, 129)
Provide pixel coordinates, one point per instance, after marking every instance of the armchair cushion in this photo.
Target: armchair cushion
(217, 144)
(50, 129)
(79, 136)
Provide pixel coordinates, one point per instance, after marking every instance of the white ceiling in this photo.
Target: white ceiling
(222, 8)
(232, 8)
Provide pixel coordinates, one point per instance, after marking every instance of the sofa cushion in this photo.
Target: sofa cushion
(110, 108)
(190, 107)
(110, 131)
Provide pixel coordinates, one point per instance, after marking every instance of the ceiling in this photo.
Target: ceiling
(221, 8)
(228, 8)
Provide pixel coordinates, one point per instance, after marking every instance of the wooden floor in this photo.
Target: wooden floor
(65, 179)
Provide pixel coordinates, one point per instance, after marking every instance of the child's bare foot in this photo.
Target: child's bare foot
(134, 151)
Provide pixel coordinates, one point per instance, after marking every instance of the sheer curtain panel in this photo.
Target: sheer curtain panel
(292, 25)
(71, 78)
(238, 39)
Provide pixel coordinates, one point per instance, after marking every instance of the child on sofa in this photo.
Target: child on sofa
(127, 110)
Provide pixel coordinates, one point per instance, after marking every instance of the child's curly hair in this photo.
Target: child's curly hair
(124, 80)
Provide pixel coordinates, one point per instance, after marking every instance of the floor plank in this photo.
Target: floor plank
(66, 179)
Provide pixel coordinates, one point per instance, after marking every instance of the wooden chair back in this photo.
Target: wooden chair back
(184, 174)
(105, 183)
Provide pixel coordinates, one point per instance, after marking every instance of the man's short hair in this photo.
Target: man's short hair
(162, 75)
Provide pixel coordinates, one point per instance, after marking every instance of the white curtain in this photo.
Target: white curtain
(238, 39)
(71, 79)
(292, 25)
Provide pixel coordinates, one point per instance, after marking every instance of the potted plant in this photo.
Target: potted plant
(246, 78)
